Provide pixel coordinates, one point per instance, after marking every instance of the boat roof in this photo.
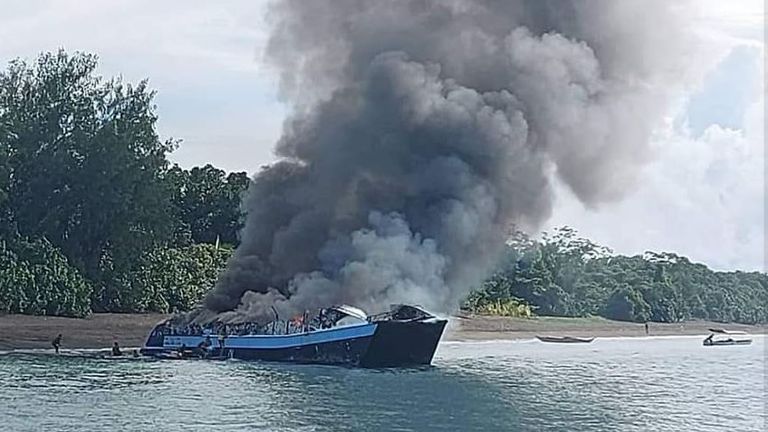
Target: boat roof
(352, 311)
(723, 331)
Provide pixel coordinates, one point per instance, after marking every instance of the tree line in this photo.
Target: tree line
(565, 275)
(94, 218)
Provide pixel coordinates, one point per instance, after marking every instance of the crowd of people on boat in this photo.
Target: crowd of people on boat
(239, 329)
(298, 324)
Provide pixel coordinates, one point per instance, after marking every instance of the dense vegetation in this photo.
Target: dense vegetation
(93, 217)
(564, 275)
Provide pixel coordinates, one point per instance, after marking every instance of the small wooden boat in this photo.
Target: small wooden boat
(564, 339)
(725, 341)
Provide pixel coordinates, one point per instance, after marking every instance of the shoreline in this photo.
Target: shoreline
(481, 328)
(18, 332)
(99, 331)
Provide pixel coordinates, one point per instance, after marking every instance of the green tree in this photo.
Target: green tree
(627, 304)
(5, 180)
(207, 201)
(86, 164)
(171, 279)
(35, 278)
(569, 276)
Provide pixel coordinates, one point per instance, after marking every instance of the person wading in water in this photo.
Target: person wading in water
(203, 346)
(116, 350)
(56, 343)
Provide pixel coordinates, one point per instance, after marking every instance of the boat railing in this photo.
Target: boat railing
(324, 319)
(402, 313)
(276, 328)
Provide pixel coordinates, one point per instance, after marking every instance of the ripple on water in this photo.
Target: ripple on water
(610, 385)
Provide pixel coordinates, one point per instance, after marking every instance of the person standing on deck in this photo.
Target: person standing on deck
(56, 343)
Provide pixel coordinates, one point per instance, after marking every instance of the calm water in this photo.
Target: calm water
(664, 384)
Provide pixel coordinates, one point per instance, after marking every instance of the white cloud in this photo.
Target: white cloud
(203, 57)
(702, 197)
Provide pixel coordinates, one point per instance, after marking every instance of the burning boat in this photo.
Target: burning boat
(340, 335)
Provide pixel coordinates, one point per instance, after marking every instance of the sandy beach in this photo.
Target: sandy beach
(96, 331)
(489, 327)
(130, 330)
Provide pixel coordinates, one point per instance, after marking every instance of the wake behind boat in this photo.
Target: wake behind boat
(725, 338)
(340, 335)
(564, 339)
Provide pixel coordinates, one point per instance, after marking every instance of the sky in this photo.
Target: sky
(702, 196)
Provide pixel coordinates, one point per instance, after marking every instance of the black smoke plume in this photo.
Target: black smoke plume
(422, 131)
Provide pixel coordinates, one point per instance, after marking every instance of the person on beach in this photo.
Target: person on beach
(647, 330)
(116, 350)
(56, 343)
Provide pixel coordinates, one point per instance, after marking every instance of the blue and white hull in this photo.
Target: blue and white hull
(384, 343)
